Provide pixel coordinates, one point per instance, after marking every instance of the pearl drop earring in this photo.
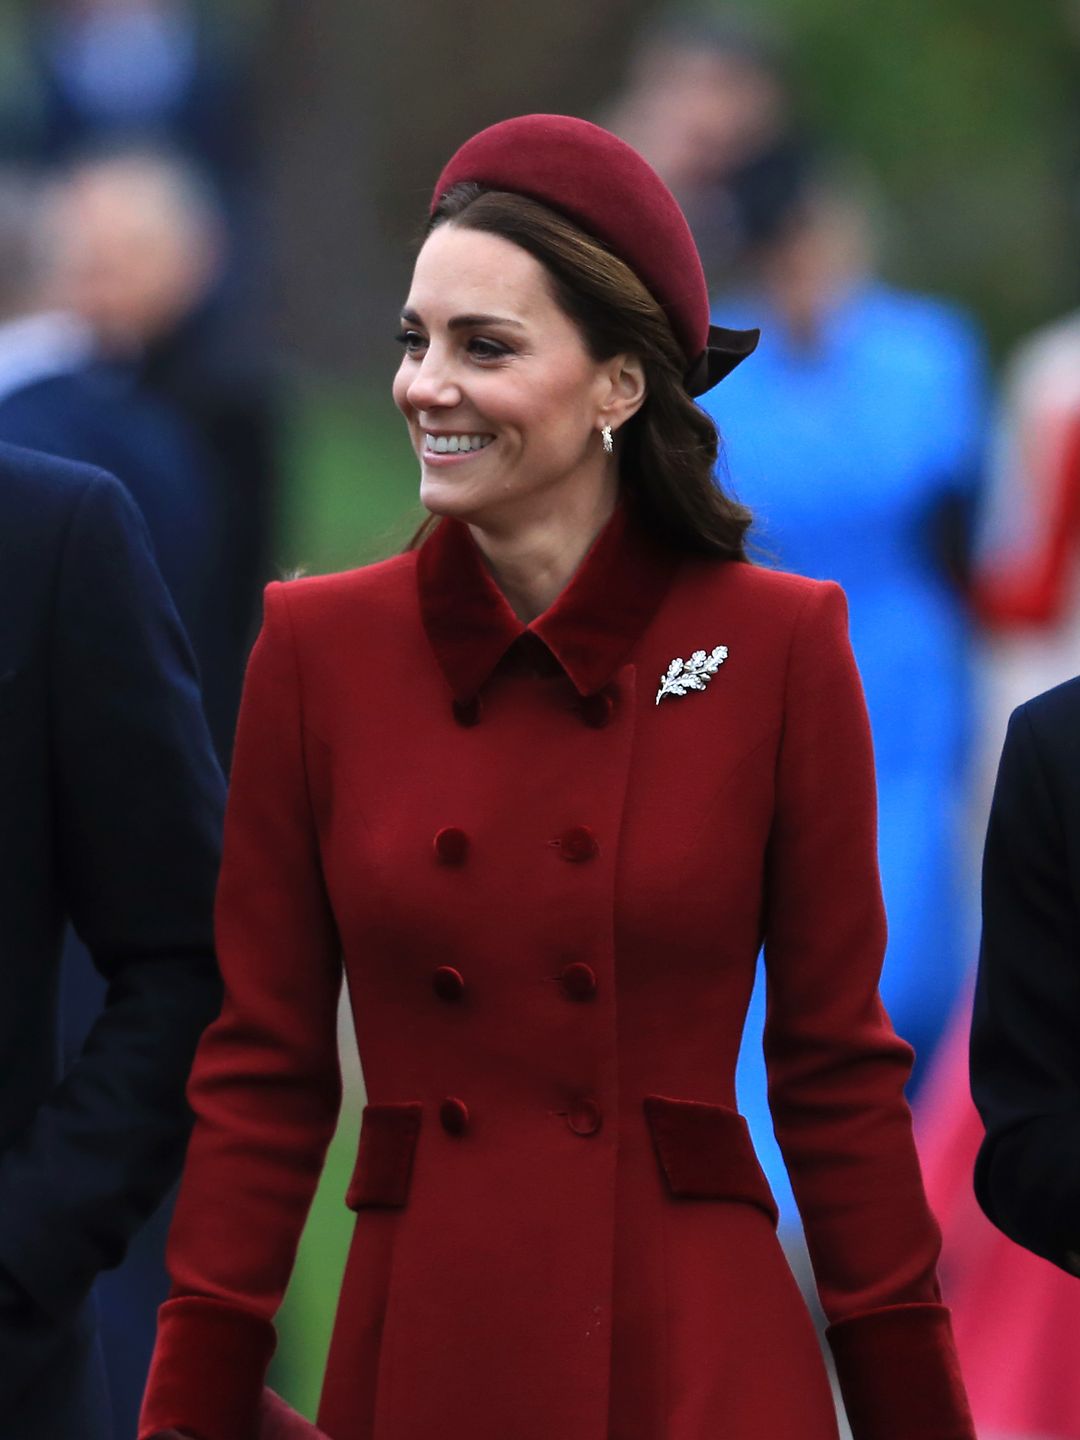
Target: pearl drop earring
(609, 443)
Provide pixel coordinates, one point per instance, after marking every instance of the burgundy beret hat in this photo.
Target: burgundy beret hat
(605, 187)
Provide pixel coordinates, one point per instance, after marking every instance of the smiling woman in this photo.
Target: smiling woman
(506, 404)
(455, 781)
(582, 336)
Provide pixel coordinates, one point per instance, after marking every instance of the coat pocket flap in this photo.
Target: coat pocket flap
(384, 1160)
(706, 1153)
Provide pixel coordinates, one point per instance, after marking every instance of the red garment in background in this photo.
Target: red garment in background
(1029, 553)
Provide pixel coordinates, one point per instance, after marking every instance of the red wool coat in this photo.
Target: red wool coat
(548, 892)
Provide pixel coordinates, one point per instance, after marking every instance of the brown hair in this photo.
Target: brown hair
(669, 448)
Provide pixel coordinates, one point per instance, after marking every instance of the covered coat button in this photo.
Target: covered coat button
(451, 845)
(577, 844)
(597, 710)
(448, 983)
(584, 1117)
(454, 1115)
(467, 712)
(578, 980)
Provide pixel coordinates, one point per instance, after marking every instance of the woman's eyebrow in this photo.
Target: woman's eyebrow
(461, 322)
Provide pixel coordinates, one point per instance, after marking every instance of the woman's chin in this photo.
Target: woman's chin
(442, 497)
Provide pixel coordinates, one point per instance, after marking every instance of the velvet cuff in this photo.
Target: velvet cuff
(899, 1375)
(208, 1369)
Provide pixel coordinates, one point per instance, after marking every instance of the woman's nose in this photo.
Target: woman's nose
(433, 385)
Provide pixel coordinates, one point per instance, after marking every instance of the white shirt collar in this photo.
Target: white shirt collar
(38, 347)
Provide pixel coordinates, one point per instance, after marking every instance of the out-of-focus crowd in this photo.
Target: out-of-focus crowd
(129, 281)
(868, 439)
(128, 337)
(865, 434)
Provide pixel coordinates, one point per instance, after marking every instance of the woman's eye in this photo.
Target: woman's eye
(412, 341)
(487, 349)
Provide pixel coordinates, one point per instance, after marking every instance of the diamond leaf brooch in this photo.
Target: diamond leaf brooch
(692, 674)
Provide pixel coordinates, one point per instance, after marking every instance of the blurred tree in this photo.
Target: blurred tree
(966, 114)
(366, 102)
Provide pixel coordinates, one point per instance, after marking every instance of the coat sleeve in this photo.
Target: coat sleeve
(837, 1069)
(1025, 1062)
(137, 801)
(266, 1086)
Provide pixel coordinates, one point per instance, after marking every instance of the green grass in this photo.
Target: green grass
(306, 1319)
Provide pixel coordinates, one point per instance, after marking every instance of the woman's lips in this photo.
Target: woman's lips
(452, 448)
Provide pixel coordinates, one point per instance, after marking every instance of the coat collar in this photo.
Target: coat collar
(589, 629)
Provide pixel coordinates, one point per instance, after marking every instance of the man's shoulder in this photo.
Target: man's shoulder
(35, 487)
(1053, 719)
(1062, 702)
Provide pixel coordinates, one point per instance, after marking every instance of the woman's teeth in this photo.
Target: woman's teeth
(454, 444)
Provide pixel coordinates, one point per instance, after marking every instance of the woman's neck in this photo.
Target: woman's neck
(533, 562)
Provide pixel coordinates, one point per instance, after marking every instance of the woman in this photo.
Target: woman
(546, 783)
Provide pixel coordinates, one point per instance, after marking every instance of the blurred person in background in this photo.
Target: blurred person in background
(708, 102)
(173, 80)
(104, 73)
(141, 245)
(1027, 560)
(857, 442)
(57, 396)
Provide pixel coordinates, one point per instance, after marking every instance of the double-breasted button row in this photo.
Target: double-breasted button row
(577, 981)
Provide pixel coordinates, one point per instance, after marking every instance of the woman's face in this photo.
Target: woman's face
(503, 401)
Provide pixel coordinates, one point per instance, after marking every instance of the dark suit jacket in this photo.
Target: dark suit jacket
(1025, 1049)
(110, 813)
(100, 417)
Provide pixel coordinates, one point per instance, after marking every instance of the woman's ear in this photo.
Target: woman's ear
(627, 389)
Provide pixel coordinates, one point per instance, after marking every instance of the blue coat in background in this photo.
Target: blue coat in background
(855, 457)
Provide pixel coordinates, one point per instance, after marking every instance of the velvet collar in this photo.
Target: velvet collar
(589, 629)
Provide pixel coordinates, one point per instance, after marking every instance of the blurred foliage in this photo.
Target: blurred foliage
(965, 114)
(353, 479)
